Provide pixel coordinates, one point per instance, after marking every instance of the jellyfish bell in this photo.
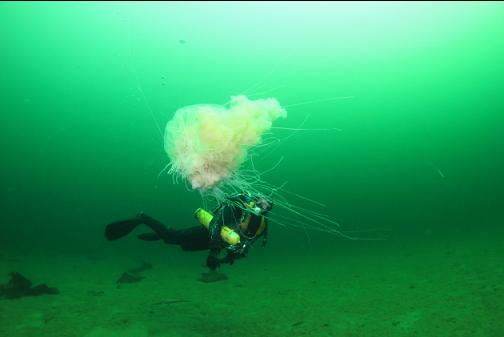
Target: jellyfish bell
(208, 143)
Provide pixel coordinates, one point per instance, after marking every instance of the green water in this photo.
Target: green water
(415, 90)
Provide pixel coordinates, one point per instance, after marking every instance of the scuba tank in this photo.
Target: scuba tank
(227, 234)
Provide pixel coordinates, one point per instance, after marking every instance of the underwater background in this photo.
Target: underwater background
(413, 95)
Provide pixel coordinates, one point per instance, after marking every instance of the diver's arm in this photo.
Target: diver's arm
(239, 251)
(265, 236)
(213, 261)
(230, 257)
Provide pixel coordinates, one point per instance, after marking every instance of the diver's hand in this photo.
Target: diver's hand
(212, 262)
(229, 258)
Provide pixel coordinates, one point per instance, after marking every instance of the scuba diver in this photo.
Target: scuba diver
(234, 225)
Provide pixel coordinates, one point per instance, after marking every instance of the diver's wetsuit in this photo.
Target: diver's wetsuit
(190, 239)
(198, 237)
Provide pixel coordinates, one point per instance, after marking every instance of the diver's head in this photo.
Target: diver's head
(252, 203)
(263, 205)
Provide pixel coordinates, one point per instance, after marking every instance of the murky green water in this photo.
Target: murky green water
(414, 89)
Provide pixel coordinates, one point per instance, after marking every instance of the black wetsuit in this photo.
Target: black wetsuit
(190, 239)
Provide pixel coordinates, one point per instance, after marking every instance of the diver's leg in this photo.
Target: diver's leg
(190, 239)
(118, 229)
(194, 238)
(159, 229)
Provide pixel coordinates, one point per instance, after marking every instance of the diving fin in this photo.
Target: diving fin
(118, 229)
(148, 237)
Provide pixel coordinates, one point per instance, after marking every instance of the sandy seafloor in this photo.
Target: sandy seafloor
(426, 287)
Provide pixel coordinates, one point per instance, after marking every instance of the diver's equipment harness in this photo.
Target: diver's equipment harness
(225, 233)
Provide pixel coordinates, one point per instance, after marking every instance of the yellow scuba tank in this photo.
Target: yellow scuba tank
(226, 233)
